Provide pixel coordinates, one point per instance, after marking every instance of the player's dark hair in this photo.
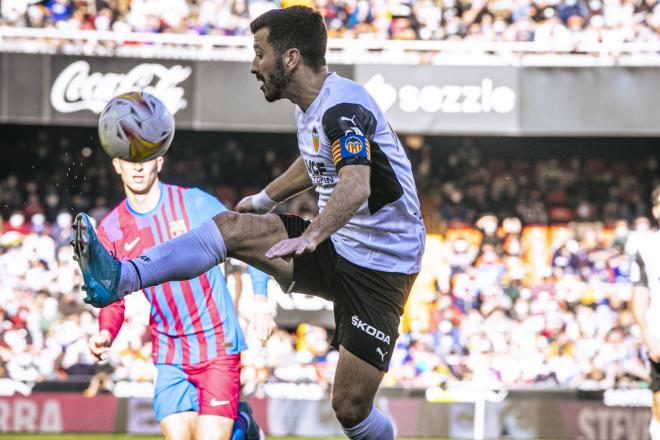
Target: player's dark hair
(296, 27)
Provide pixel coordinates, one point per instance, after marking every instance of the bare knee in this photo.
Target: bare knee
(179, 426)
(214, 428)
(228, 223)
(242, 232)
(350, 407)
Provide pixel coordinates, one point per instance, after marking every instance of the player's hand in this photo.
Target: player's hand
(100, 344)
(292, 247)
(261, 326)
(652, 347)
(245, 205)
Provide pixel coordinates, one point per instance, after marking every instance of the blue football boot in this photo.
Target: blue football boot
(100, 270)
(254, 432)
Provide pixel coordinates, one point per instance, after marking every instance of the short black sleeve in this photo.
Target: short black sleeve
(350, 129)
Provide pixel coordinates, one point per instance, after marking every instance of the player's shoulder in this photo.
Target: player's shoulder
(197, 193)
(200, 199)
(349, 108)
(347, 91)
(110, 225)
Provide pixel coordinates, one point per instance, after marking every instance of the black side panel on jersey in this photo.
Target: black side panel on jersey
(385, 187)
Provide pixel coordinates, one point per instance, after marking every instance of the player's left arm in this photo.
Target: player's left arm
(349, 194)
(262, 324)
(350, 129)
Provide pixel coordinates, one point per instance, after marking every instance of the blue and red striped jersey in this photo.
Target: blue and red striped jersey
(191, 321)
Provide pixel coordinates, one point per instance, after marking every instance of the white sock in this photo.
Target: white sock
(375, 427)
(182, 258)
(654, 429)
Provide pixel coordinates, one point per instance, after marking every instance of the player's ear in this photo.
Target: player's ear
(160, 160)
(292, 59)
(116, 165)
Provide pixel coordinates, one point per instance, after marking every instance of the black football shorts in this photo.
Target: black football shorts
(655, 376)
(368, 304)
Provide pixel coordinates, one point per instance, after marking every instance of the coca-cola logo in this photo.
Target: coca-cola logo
(77, 89)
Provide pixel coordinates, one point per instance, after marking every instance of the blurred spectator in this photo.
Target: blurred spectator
(515, 297)
(558, 23)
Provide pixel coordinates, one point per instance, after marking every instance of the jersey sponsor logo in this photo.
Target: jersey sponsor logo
(178, 227)
(370, 330)
(219, 402)
(129, 246)
(315, 140)
(318, 172)
(382, 355)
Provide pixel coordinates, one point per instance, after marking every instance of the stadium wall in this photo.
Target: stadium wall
(566, 415)
(222, 95)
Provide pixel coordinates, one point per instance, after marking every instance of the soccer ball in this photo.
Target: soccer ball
(136, 127)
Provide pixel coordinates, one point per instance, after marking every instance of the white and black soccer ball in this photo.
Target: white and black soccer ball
(136, 127)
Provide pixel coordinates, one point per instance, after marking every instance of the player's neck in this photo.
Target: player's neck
(144, 202)
(304, 89)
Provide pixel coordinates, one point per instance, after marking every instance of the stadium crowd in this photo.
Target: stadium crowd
(525, 282)
(546, 21)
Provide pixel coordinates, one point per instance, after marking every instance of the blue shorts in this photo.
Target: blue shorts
(211, 388)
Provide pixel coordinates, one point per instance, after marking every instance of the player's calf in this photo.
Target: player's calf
(245, 236)
(354, 389)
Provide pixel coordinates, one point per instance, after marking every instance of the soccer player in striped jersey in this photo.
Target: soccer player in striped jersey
(195, 332)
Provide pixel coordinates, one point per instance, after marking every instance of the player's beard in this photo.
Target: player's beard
(275, 85)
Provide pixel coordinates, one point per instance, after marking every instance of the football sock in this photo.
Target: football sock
(182, 258)
(654, 429)
(240, 427)
(375, 427)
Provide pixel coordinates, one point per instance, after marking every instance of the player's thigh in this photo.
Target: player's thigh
(355, 386)
(368, 310)
(218, 385)
(214, 427)
(180, 426)
(248, 237)
(173, 393)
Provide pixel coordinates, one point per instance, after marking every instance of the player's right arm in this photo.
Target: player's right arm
(293, 181)
(641, 299)
(111, 317)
